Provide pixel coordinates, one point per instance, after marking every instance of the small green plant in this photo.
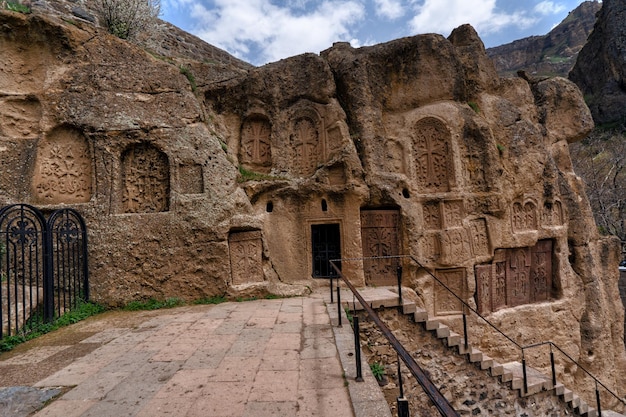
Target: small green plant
(378, 370)
(501, 148)
(348, 314)
(474, 106)
(16, 7)
(153, 304)
(247, 175)
(186, 71)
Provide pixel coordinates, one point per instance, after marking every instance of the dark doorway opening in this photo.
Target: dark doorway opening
(326, 245)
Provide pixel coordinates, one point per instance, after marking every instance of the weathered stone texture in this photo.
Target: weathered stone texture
(253, 181)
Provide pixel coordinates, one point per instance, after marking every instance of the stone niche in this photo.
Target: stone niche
(145, 179)
(256, 144)
(63, 171)
(308, 142)
(246, 255)
(517, 276)
(431, 153)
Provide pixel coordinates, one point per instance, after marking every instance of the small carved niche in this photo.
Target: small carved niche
(246, 251)
(256, 147)
(145, 179)
(524, 216)
(516, 276)
(307, 141)
(431, 149)
(396, 155)
(445, 302)
(552, 214)
(63, 172)
(190, 179)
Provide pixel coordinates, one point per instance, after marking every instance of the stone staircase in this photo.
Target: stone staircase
(510, 373)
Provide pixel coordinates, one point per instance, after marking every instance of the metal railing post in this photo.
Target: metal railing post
(399, 274)
(465, 330)
(598, 400)
(403, 403)
(524, 372)
(553, 367)
(357, 349)
(331, 291)
(338, 305)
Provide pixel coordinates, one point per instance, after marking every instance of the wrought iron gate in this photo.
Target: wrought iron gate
(43, 266)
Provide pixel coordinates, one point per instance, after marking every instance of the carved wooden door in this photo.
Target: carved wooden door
(380, 238)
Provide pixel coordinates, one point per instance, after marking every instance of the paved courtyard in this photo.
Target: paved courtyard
(258, 358)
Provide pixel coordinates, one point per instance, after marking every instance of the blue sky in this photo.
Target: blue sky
(262, 31)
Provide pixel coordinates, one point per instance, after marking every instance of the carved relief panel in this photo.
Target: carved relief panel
(256, 148)
(524, 216)
(432, 216)
(246, 251)
(190, 179)
(145, 179)
(552, 214)
(306, 141)
(380, 236)
(515, 277)
(453, 213)
(446, 303)
(455, 246)
(431, 150)
(63, 168)
(479, 237)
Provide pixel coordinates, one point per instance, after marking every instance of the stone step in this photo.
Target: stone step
(497, 369)
(575, 401)
(443, 331)
(454, 339)
(567, 395)
(432, 324)
(408, 307)
(475, 355)
(420, 315)
(486, 363)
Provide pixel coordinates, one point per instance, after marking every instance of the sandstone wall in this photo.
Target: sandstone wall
(251, 182)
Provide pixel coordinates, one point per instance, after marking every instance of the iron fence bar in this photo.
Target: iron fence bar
(440, 402)
(332, 290)
(553, 366)
(399, 274)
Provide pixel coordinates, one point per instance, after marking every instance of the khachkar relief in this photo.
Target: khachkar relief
(449, 239)
(307, 142)
(146, 180)
(246, 250)
(380, 236)
(256, 149)
(445, 301)
(63, 168)
(517, 276)
(431, 148)
(552, 214)
(524, 216)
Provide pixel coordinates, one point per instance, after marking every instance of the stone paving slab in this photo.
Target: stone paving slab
(257, 358)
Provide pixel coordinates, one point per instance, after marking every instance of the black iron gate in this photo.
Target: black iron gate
(43, 266)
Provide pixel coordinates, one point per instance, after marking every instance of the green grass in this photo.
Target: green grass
(153, 304)
(247, 175)
(218, 299)
(16, 7)
(186, 71)
(474, 106)
(83, 311)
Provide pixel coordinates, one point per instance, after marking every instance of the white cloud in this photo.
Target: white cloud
(244, 26)
(390, 9)
(442, 16)
(549, 7)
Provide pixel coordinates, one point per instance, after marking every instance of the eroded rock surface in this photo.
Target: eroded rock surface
(249, 180)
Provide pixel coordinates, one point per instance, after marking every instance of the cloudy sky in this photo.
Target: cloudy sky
(262, 31)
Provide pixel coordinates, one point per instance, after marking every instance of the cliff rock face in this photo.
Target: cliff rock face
(600, 69)
(256, 179)
(553, 54)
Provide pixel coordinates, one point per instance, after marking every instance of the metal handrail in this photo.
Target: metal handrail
(442, 404)
(467, 306)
